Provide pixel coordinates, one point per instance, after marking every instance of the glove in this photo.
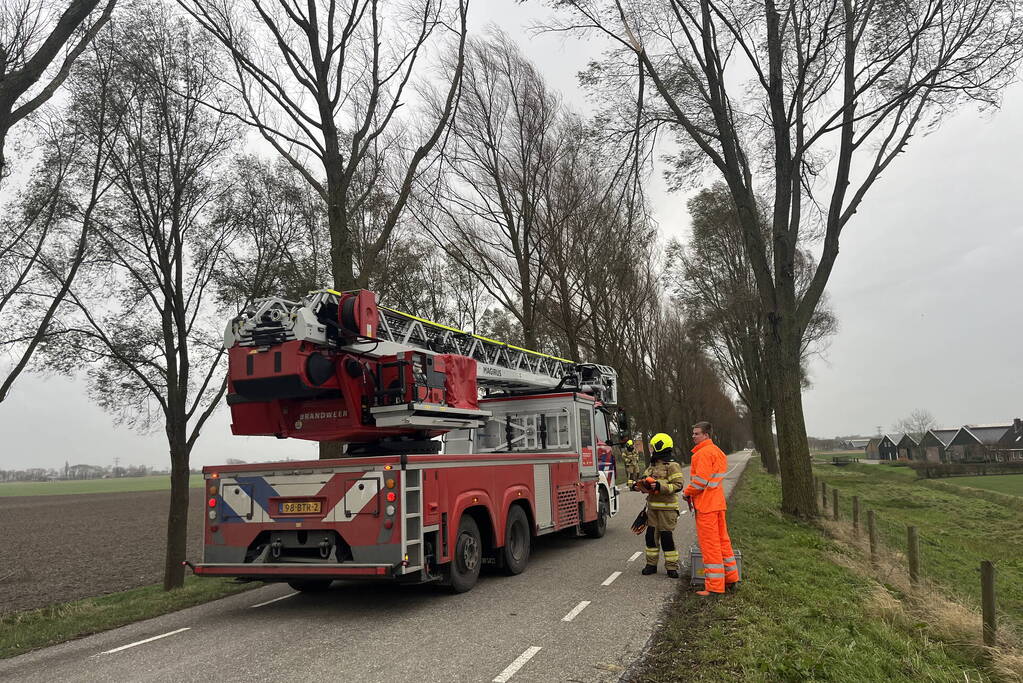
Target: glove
(639, 525)
(689, 502)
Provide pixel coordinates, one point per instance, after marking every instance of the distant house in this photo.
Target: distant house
(976, 443)
(909, 448)
(888, 448)
(874, 448)
(1010, 446)
(935, 444)
(857, 444)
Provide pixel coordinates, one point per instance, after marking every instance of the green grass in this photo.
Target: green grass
(958, 528)
(24, 631)
(796, 615)
(157, 482)
(1010, 484)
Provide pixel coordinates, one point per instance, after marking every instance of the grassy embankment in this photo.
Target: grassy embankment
(24, 631)
(156, 482)
(958, 527)
(808, 609)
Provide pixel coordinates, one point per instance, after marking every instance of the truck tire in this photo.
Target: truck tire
(310, 585)
(464, 568)
(598, 527)
(517, 541)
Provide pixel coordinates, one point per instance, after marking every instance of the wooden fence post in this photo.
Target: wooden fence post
(824, 496)
(872, 534)
(913, 546)
(987, 599)
(856, 514)
(834, 504)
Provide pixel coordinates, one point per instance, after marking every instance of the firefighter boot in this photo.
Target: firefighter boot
(672, 574)
(649, 569)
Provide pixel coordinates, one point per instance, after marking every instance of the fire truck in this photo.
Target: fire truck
(455, 451)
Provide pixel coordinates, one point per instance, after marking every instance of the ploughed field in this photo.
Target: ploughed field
(61, 548)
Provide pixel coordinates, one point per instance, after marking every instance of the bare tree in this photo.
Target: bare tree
(143, 326)
(715, 282)
(45, 241)
(37, 51)
(280, 242)
(325, 81)
(811, 101)
(496, 168)
(916, 424)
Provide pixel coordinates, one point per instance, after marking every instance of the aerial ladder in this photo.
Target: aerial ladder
(337, 366)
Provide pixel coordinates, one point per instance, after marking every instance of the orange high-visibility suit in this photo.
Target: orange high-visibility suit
(707, 473)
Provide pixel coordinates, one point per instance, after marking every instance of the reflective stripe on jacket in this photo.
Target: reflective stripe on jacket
(669, 475)
(707, 473)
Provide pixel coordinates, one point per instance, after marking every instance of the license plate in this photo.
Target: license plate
(304, 507)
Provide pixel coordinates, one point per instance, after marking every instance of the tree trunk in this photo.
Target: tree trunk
(763, 437)
(783, 352)
(177, 517)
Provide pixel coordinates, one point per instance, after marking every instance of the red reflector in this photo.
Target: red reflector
(214, 527)
(388, 524)
(212, 502)
(391, 497)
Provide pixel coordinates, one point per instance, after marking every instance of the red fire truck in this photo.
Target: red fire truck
(434, 480)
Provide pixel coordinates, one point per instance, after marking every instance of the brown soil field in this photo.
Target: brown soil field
(59, 548)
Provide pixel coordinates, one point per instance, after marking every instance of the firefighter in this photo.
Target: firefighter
(631, 459)
(661, 482)
(705, 489)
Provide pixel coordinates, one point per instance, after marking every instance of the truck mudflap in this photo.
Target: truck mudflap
(294, 570)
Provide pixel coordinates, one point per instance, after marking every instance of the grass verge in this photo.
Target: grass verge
(798, 614)
(32, 629)
(156, 482)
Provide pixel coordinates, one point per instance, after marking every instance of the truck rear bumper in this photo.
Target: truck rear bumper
(287, 570)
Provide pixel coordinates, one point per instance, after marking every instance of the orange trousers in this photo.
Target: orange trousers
(716, 548)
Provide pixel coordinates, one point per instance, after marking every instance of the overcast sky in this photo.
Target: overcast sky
(928, 291)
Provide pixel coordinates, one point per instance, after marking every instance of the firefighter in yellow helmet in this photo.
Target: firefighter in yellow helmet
(631, 459)
(661, 482)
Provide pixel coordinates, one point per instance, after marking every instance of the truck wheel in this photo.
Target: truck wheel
(598, 527)
(310, 585)
(467, 559)
(517, 538)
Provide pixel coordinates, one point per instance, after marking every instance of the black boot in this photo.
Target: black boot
(672, 574)
(649, 569)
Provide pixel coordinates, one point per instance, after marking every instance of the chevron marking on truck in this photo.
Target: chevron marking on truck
(341, 487)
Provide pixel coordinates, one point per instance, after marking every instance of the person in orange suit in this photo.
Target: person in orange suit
(706, 491)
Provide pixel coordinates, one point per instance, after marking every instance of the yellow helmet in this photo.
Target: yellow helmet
(661, 442)
(629, 442)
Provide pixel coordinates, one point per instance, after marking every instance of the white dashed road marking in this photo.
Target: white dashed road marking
(516, 665)
(143, 642)
(610, 579)
(283, 597)
(575, 611)
(635, 556)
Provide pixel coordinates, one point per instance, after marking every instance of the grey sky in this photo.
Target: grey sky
(928, 290)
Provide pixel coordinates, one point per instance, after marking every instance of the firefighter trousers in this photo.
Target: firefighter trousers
(660, 524)
(716, 548)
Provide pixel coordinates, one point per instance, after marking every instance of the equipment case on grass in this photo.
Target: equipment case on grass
(696, 564)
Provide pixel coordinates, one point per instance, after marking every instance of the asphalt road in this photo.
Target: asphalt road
(580, 612)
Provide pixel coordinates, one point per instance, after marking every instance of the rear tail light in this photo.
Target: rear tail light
(391, 497)
(212, 502)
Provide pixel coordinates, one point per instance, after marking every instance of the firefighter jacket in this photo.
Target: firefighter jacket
(669, 475)
(630, 458)
(707, 474)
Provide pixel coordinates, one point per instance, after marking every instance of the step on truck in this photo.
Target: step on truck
(453, 450)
